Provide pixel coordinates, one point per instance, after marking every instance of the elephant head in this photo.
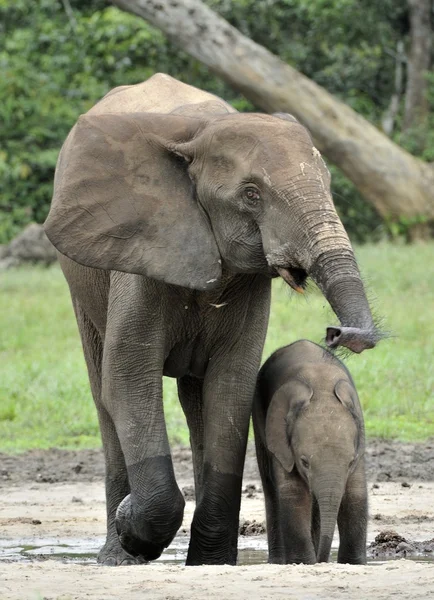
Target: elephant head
(321, 435)
(179, 198)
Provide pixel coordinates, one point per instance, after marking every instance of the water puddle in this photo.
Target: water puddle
(251, 551)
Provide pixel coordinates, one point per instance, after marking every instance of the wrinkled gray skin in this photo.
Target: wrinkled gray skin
(310, 444)
(172, 212)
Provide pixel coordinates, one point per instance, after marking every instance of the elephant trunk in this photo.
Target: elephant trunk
(320, 248)
(337, 275)
(328, 495)
(332, 265)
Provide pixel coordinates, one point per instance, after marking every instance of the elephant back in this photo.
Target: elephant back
(158, 94)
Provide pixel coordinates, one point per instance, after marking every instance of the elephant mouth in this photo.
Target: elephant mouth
(294, 276)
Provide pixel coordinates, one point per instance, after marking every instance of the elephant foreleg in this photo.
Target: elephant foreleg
(214, 530)
(190, 396)
(295, 518)
(116, 479)
(228, 394)
(228, 390)
(148, 518)
(353, 519)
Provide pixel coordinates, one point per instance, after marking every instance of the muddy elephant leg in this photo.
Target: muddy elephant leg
(116, 479)
(214, 530)
(190, 396)
(117, 488)
(148, 518)
(353, 519)
(228, 389)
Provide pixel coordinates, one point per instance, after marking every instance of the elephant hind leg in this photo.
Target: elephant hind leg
(190, 397)
(116, 483)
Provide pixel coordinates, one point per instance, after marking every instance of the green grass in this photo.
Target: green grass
(44, 393)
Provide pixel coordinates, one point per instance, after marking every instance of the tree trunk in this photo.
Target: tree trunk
(396, 183)
(418, 65)
(389, 118)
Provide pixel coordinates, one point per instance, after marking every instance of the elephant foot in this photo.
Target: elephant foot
(212, 546)
(113, 555)
(146, 537)
(214, 530)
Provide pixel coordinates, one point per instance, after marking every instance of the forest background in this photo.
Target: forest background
(58, 57)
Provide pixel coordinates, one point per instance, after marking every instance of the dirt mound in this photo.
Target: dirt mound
(252, 528)
(389, 543)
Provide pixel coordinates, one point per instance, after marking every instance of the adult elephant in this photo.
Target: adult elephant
(172, 212)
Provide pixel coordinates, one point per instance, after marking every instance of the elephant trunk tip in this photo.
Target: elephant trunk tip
(354, 338)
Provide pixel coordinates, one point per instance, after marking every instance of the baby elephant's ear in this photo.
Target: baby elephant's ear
(123, 200)
(282, 412)
(346, 393)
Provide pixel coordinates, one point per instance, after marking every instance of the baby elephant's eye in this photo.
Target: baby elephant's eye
(252, 195)
(304, 462)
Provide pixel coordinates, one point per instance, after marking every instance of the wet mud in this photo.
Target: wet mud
(389, 544)
(52, 524)
(385, 461)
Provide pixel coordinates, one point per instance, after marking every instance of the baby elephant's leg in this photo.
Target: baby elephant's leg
(353, 519)
(295, 513)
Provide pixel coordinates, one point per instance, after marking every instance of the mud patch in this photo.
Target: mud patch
(386, 461)
(390, 544)
(252, 528)
(251, 490)
(399, 462)
(188, 492)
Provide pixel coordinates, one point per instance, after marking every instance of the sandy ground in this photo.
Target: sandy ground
(51, 499)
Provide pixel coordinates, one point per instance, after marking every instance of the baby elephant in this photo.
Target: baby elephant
(310, 443)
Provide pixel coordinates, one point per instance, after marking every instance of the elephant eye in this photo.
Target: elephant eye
(304, 462)
(252, 195)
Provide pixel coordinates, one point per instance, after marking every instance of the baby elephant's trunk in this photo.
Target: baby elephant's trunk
(329, 499)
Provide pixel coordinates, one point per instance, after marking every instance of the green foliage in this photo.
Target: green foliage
(419, 140)
(51, 72)
(44, 392)
(401, 228)
(54, 69)
(347, 46)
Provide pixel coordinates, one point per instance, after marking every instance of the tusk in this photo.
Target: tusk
(286, 275)
(218, 305)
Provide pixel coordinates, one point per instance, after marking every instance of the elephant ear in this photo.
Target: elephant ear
(346, 394)
(123, 200)
(287, 402)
